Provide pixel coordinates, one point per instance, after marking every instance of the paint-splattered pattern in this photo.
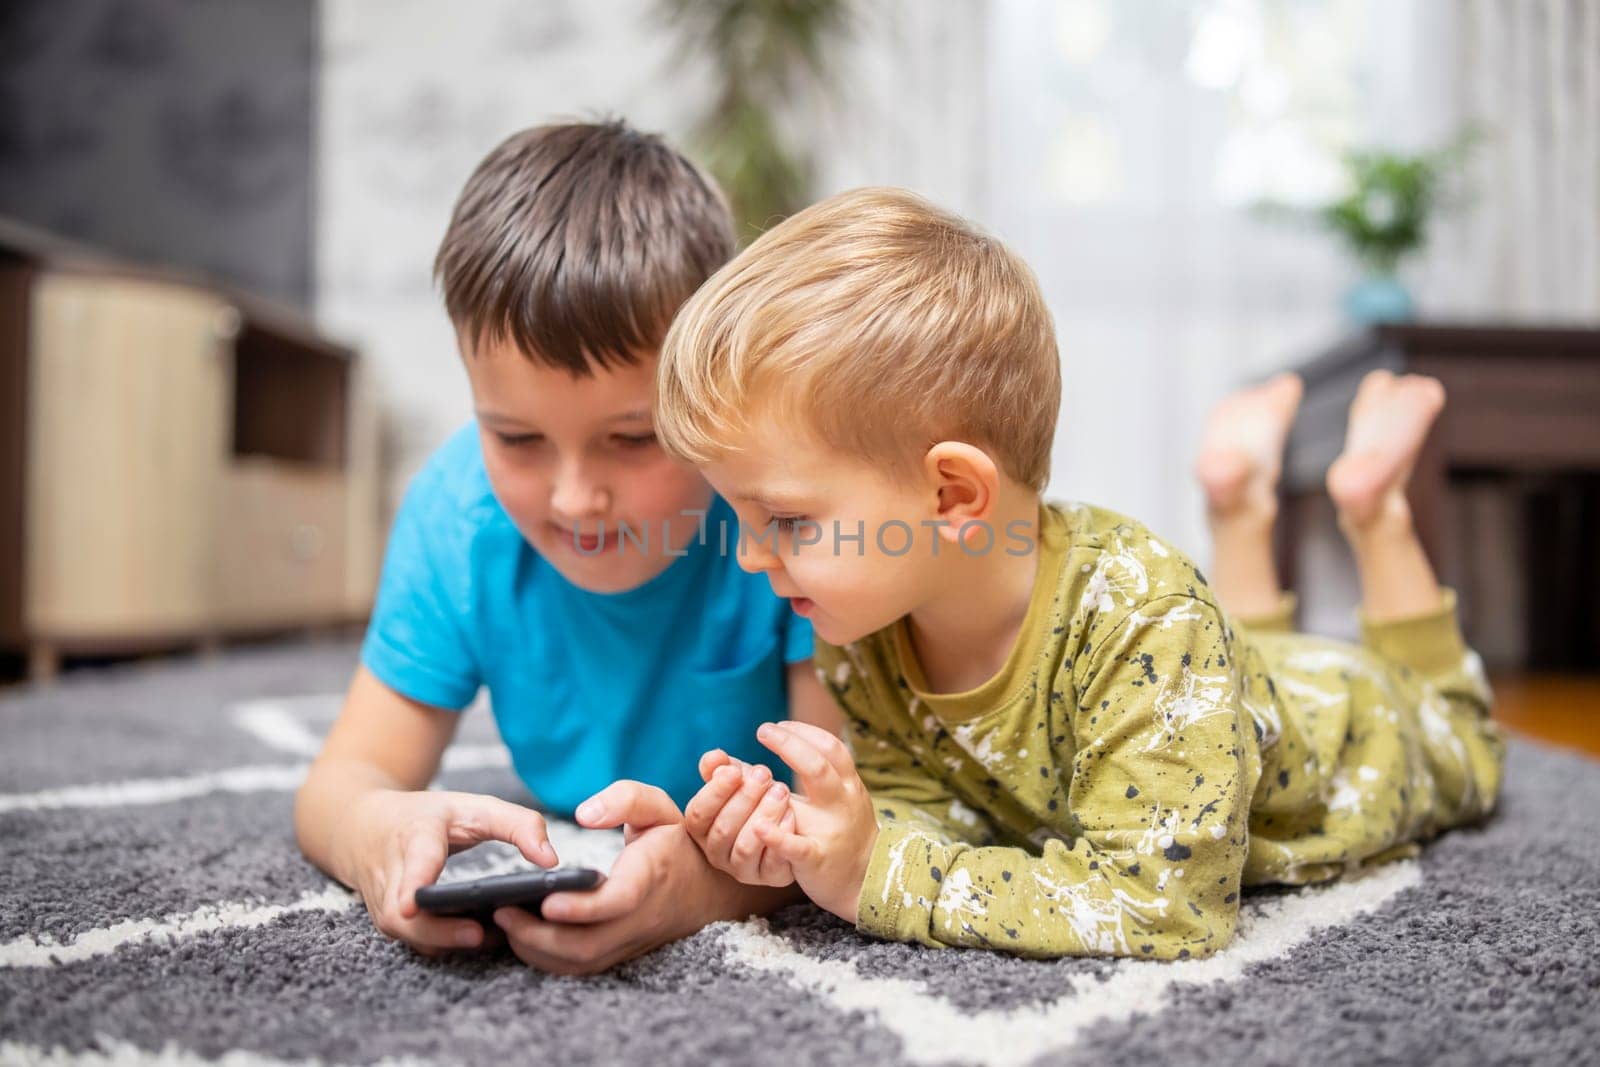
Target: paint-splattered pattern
(1141, 758)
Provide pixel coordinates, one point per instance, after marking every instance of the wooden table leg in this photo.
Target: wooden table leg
(1428, 495)
(44, 662)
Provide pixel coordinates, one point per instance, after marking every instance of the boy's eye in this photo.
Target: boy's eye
(634, 440)
(514, 440)
(788, 523)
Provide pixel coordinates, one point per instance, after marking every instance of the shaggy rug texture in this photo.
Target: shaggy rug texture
(154, 909)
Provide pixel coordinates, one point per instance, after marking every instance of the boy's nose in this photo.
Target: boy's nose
(754, 555)
(577, 496)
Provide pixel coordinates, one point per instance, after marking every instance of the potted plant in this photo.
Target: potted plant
(763, 54)
(1382, 219)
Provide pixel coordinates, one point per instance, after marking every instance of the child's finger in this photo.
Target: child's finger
(791, 848)
(634, 806)
(394, 910)
(431, 932)
(832, 749)
(711, 761)
(772, 870)
(819, 779)
(707, 804)
(475, 818)
(704, 807)
(421, 860)
(775, 808)
(747, 847)
(736, 812)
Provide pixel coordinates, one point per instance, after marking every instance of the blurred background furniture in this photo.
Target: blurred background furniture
(178, 462)
(1523, 424)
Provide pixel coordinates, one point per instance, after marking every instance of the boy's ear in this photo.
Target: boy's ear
(966, 481)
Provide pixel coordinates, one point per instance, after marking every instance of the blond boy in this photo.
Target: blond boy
(1061, 739)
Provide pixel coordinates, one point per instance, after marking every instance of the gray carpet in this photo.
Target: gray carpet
(154, 909)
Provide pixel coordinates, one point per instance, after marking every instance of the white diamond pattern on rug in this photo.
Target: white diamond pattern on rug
(169, 918)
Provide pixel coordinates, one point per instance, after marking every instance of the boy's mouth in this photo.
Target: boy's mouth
(583, 542)
(801, 605)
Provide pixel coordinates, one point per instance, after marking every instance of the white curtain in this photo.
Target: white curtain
(1120, 146)
(1116, 145)
(1127, 142)
(1528, 71)
(909, 104)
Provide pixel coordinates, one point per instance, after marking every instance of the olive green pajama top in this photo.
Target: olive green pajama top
(1141, 757)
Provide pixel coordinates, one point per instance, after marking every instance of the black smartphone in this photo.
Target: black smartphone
(526, 889)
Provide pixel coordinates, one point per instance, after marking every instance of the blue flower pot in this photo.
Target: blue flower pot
(1378, 298)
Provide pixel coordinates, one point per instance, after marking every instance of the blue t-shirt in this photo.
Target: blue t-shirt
(586, 687)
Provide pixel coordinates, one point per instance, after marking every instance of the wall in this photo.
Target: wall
(413, 95)
(170, 131)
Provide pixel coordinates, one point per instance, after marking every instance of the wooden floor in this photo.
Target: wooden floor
(1559, 709)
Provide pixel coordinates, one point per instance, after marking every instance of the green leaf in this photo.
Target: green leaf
(1392, 196)
(763, 53)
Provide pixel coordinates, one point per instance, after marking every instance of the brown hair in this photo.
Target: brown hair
(876, 322)
(578, 242)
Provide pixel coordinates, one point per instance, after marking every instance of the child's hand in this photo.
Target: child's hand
(398, 841)
(724, 816)
(835, 826)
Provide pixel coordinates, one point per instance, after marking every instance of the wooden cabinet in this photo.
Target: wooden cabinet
(126, 442)
(282, 544)
(177, 463)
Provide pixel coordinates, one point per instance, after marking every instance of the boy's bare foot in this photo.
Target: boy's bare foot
(1241, 451)
(1389, 420)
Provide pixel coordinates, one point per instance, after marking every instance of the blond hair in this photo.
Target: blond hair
(879, 324)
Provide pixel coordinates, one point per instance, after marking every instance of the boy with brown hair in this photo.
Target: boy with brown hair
(1061, 739)
(552, 553)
